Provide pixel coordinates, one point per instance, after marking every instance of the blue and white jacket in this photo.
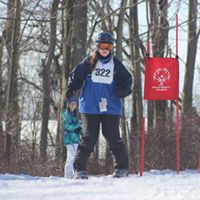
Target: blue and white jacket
(102, 88)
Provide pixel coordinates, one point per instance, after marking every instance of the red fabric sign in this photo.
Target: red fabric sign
(161, 79)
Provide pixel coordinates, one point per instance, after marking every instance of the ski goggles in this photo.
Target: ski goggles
(106, 46)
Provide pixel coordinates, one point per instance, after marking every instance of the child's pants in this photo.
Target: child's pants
(71, 152)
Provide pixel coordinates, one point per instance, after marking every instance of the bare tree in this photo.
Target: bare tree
(2, 137)
(79, 33)
(159, 27)
(137, 107)
(46, 84)
(190, 118)
(119, 51)
(1, 87)
(67, 7)
(12, 108)
(191, 56)
(135, 59)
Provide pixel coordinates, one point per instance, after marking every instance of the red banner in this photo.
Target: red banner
(161, 79)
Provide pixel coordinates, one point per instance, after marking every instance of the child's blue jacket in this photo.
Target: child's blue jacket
(69, 125)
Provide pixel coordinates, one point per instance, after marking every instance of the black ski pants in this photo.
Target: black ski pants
(110, 129)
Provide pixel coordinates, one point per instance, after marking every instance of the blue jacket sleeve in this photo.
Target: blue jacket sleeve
(123, 80)
(77, 77)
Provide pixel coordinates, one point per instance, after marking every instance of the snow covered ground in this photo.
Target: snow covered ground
(154, 185)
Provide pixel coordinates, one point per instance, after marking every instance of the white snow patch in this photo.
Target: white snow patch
(153, 185)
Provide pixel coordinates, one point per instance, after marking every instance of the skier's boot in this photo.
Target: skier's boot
(119, 173)
(80, 175)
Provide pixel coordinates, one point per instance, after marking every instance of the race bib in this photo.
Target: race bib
(103, 73)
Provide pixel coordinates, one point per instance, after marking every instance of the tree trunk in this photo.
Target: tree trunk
(191, 56)
(46, 81)
(1, 90)
(187, 129)
(8, 37)
(67, 38)
(45, 111)
(159, 41)
(159, 37)
(135, 58)
(67, 7)
(153, 27)
(119, 50)
(12, 107)
(79, 37)
(2, 138)
(137, 111)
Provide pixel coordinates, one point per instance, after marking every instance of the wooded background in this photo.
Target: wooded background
(42, 40)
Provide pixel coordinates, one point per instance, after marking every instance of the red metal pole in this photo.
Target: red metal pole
(177, 112)
(177, 140)
(142, 148)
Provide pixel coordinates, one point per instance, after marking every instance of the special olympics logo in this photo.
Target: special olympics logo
(161, 75)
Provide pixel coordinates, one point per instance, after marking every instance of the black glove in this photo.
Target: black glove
(78, 130)
(123, 92)
(69, 94)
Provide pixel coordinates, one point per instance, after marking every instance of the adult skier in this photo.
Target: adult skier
(103, 81)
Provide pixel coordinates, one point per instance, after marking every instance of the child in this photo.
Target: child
(71, 134)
